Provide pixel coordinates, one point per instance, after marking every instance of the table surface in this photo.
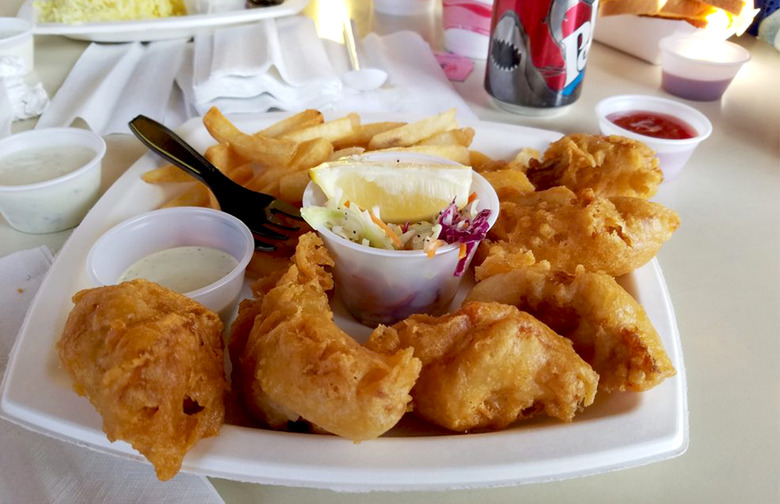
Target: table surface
(722, 269)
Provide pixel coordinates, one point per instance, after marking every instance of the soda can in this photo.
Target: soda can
(537, 53)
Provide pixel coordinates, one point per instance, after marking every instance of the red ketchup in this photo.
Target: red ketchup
(653, 124)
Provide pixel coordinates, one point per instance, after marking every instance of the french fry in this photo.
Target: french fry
(305, 119)
(509, 183)
(460, 136)
(362, 135)
(412, 133)
(311, 153)
(482, 163)
(224, 157)
(457, 153)
(197, 195)
(258, 148)
(291, 186)
(329, 130)
(167, 173)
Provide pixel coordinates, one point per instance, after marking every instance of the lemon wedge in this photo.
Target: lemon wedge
(403, 191)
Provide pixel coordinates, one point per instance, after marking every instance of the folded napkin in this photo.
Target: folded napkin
(112, 83)
(281, 64)
(278, 63)
(37, 468)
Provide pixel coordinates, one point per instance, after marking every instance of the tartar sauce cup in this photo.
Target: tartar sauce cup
(49, 178)
(672, 154)
(379, 286)
(158, 230)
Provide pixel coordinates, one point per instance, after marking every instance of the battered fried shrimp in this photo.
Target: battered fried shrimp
(150, 361)
(609, 329)
(489, 365)
(610, 235)
(297, 365)
(609, 165)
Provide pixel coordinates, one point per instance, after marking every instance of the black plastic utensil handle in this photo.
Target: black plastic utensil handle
(172, 148)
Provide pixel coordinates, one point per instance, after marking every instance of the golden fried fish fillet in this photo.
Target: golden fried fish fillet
(609, 165)
(611, 235)
(609, 329)
(296, 364)
(151, 362)
(489, 365)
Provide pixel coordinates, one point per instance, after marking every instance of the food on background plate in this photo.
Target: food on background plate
(609, 329)
(698, 13)
(296, 365)
(609, 165)
(90, 11)
(489, 365)
(151, 362)
(610, 235)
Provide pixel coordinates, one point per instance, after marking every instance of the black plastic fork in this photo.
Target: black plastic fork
(257, 210)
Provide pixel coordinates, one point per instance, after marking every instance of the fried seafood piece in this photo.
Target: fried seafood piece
(609, 165)
(609, 328)
(150, 361)
(297, 365)
(611, 235)
(489, 365)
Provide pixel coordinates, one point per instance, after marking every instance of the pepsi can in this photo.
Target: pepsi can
(537, 53)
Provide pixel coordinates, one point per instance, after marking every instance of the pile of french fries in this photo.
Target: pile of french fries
(277, 159)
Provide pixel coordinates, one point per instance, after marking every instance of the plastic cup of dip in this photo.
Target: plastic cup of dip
(16, 39)
(49, 178)
(199, 252)
(686, 126)
(379, 286)
(699, 68)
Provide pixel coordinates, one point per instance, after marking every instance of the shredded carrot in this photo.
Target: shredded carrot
(472, 197)
(462, 251)
(434, 246)
(394, 237)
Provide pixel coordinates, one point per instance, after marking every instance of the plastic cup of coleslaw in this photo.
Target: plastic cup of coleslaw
(379, 286)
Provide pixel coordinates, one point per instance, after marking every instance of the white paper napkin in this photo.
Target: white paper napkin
(112, 83)
(39, 469)
(25, 100)
(279, 63)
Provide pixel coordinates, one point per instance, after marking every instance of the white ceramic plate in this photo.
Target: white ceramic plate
(157, 29)
(617, 432)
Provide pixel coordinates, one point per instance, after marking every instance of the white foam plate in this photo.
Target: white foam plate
(144, 30)
(619, 431)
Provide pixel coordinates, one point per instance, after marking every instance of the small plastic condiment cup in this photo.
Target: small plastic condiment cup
(58, 203)
(672, 154)
(699, 68)
(380, 286)
(16, 39)
(150, 232)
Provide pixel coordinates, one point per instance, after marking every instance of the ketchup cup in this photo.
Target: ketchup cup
(672, 154)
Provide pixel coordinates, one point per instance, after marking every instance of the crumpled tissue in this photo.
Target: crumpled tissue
(26, 101)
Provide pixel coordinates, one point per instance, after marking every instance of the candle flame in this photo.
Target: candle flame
(722, 24)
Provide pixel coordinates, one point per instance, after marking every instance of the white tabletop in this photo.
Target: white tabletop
(722, 268)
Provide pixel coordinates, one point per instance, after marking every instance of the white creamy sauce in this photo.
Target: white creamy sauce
(45, 163)
(182, 269)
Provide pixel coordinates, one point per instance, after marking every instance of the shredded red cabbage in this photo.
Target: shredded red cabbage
(458, 227)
